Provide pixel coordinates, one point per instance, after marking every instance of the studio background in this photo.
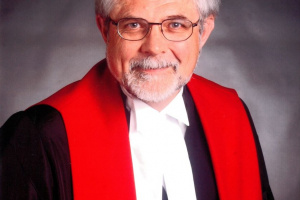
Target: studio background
(255, 48)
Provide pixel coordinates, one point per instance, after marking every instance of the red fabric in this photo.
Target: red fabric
(97, 131)
(230, 140)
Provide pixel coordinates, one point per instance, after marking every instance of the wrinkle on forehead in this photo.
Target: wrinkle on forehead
(151, 8)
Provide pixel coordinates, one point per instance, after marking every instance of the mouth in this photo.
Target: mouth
(153, 70)
(153, 66)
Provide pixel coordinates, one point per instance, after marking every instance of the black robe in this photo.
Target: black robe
(35, 160)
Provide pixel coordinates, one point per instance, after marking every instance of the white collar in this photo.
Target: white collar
(175, 109)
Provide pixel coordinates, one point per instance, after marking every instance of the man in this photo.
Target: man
(131, 129)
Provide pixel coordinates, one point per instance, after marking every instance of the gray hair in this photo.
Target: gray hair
(205, 7)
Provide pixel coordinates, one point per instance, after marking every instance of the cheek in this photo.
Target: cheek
(187, 53)
(119, 53)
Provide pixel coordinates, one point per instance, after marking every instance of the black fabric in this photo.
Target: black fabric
(34, 157)
(265, 186)
(203, 174)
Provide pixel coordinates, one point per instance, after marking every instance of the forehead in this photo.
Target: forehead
(154, 10)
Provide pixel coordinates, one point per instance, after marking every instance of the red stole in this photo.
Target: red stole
(95, 121)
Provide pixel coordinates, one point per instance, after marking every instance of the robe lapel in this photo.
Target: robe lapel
(203, 174)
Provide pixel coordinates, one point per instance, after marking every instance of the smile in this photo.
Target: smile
(154, 70)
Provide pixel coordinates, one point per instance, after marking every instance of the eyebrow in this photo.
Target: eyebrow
(168, 17)
(176, 17)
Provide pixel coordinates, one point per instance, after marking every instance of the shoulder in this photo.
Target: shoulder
(97, 81)
(37, 125)
(34, 154)
(36, 118)
(203, 83)
(33, 127)
(213, 95)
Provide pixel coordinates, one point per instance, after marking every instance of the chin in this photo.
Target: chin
(149, 88)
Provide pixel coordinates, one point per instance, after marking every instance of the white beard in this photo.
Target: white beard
(149, 87)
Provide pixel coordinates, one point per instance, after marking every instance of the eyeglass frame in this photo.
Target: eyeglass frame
(116, 23)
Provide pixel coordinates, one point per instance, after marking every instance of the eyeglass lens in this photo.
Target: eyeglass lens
(172, 29)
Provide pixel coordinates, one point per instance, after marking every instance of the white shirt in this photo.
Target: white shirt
(158, 149)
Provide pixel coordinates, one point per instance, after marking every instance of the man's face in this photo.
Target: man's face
(173, 62)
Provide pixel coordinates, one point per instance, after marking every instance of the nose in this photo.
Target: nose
(154, 43)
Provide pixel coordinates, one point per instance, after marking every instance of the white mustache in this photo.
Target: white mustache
(152, 63)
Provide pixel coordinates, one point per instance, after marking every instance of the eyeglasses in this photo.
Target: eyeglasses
(135, 29)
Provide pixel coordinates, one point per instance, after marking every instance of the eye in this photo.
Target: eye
(175, 25)
(133, 25)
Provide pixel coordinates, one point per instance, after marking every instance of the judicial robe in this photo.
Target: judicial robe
(84, 151)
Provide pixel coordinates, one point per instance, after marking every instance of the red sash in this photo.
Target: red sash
(230, 140)
(95, 121)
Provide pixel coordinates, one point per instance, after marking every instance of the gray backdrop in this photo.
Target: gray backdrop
(254, 49)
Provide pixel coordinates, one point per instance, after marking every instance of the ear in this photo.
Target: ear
(101, 25)
(208, 27)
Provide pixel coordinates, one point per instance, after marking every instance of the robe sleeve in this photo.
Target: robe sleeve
(34, 156)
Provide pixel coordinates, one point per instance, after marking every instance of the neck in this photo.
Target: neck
(159, 106)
